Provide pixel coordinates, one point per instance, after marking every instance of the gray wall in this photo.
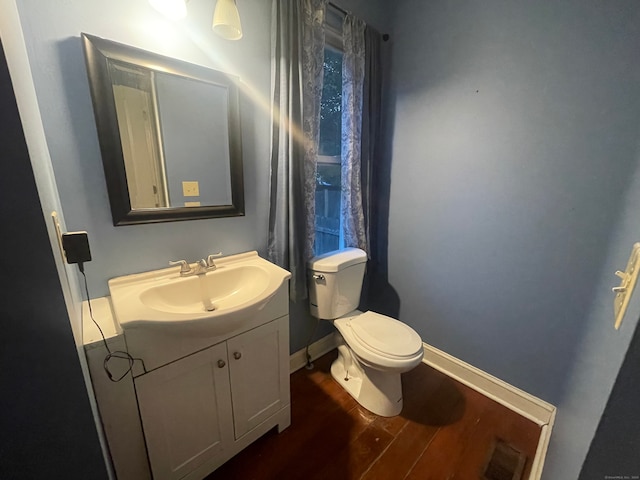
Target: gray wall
(514, 193)
(614, 451)
(45, 53)
(59, 74)
(514, 187)
(47, 424)
(374, 12)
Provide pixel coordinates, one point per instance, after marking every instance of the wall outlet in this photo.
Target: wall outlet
(190, 189)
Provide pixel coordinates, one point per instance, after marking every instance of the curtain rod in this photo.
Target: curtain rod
(385, 37)
(340, 9)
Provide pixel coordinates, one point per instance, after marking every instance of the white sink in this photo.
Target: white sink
(216, 302)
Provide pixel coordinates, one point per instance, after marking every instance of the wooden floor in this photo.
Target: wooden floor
(446, 431)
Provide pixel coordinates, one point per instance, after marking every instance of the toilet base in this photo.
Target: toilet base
(378, 391)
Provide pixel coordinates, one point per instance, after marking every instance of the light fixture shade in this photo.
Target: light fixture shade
(226, 20)
(172, 9)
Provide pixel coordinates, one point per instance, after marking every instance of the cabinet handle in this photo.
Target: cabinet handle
(237, 355)
(221, 363)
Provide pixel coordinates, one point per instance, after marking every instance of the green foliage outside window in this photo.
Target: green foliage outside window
(331, 104)
(327, 221)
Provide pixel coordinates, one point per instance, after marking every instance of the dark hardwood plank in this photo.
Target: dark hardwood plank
(443, 455)
(433, 403)
(517, 431)
(352, 461)
(340, 433)
(445, 431)
(398, 459)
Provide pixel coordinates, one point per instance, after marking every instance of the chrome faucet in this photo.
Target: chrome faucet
(211, 264)
(185, 269)
(201, 267)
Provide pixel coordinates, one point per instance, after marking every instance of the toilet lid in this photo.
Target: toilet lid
(385, 335)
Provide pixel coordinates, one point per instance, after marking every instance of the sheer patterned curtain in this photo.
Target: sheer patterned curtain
(353, 66)
(297, 44)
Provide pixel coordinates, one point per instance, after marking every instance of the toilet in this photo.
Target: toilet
(373, 349)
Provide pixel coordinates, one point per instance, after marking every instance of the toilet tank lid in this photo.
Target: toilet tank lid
(337, 260)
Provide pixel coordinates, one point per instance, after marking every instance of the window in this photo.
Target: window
(327, 221)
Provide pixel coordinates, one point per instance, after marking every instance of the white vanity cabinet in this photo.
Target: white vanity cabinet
(259, 375)
(204, 383)
(199, 411)
(186, 413)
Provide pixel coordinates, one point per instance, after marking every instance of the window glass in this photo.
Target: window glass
(328, 176)
(331, 104)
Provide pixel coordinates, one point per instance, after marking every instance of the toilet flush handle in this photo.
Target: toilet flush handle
(318, 276)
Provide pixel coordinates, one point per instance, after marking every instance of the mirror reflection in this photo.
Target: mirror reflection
(169, 134)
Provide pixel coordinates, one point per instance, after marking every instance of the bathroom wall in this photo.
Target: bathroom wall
(59, 73)
(614, 450)
(514, 187)
(47, 421)
(46, 61)
(514, 193)
(52, 36)
(375, 13)
(515, 172)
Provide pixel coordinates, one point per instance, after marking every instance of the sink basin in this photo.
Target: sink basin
(216, 302)
(224, 288)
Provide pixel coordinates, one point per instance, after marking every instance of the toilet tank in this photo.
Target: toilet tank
(335, 282)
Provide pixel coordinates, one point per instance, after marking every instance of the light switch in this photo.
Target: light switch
(628, 280)
(190, 189)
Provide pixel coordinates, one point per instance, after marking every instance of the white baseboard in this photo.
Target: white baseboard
(318, 348)
(519, 401)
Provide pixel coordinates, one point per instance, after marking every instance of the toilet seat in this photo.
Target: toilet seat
(385, 335)
(380, 340)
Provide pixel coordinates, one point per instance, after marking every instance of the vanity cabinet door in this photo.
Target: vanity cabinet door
(186, 412)
(259, 367)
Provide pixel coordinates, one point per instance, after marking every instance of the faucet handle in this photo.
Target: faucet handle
(184, 266)
(210, 259)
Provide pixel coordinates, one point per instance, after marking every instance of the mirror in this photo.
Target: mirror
(169, 134)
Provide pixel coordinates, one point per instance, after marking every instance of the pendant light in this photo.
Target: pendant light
(226, 20)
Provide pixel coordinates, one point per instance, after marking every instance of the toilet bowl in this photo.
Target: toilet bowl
(373, 349)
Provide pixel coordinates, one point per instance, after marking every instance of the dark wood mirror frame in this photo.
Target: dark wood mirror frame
(98, 52)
